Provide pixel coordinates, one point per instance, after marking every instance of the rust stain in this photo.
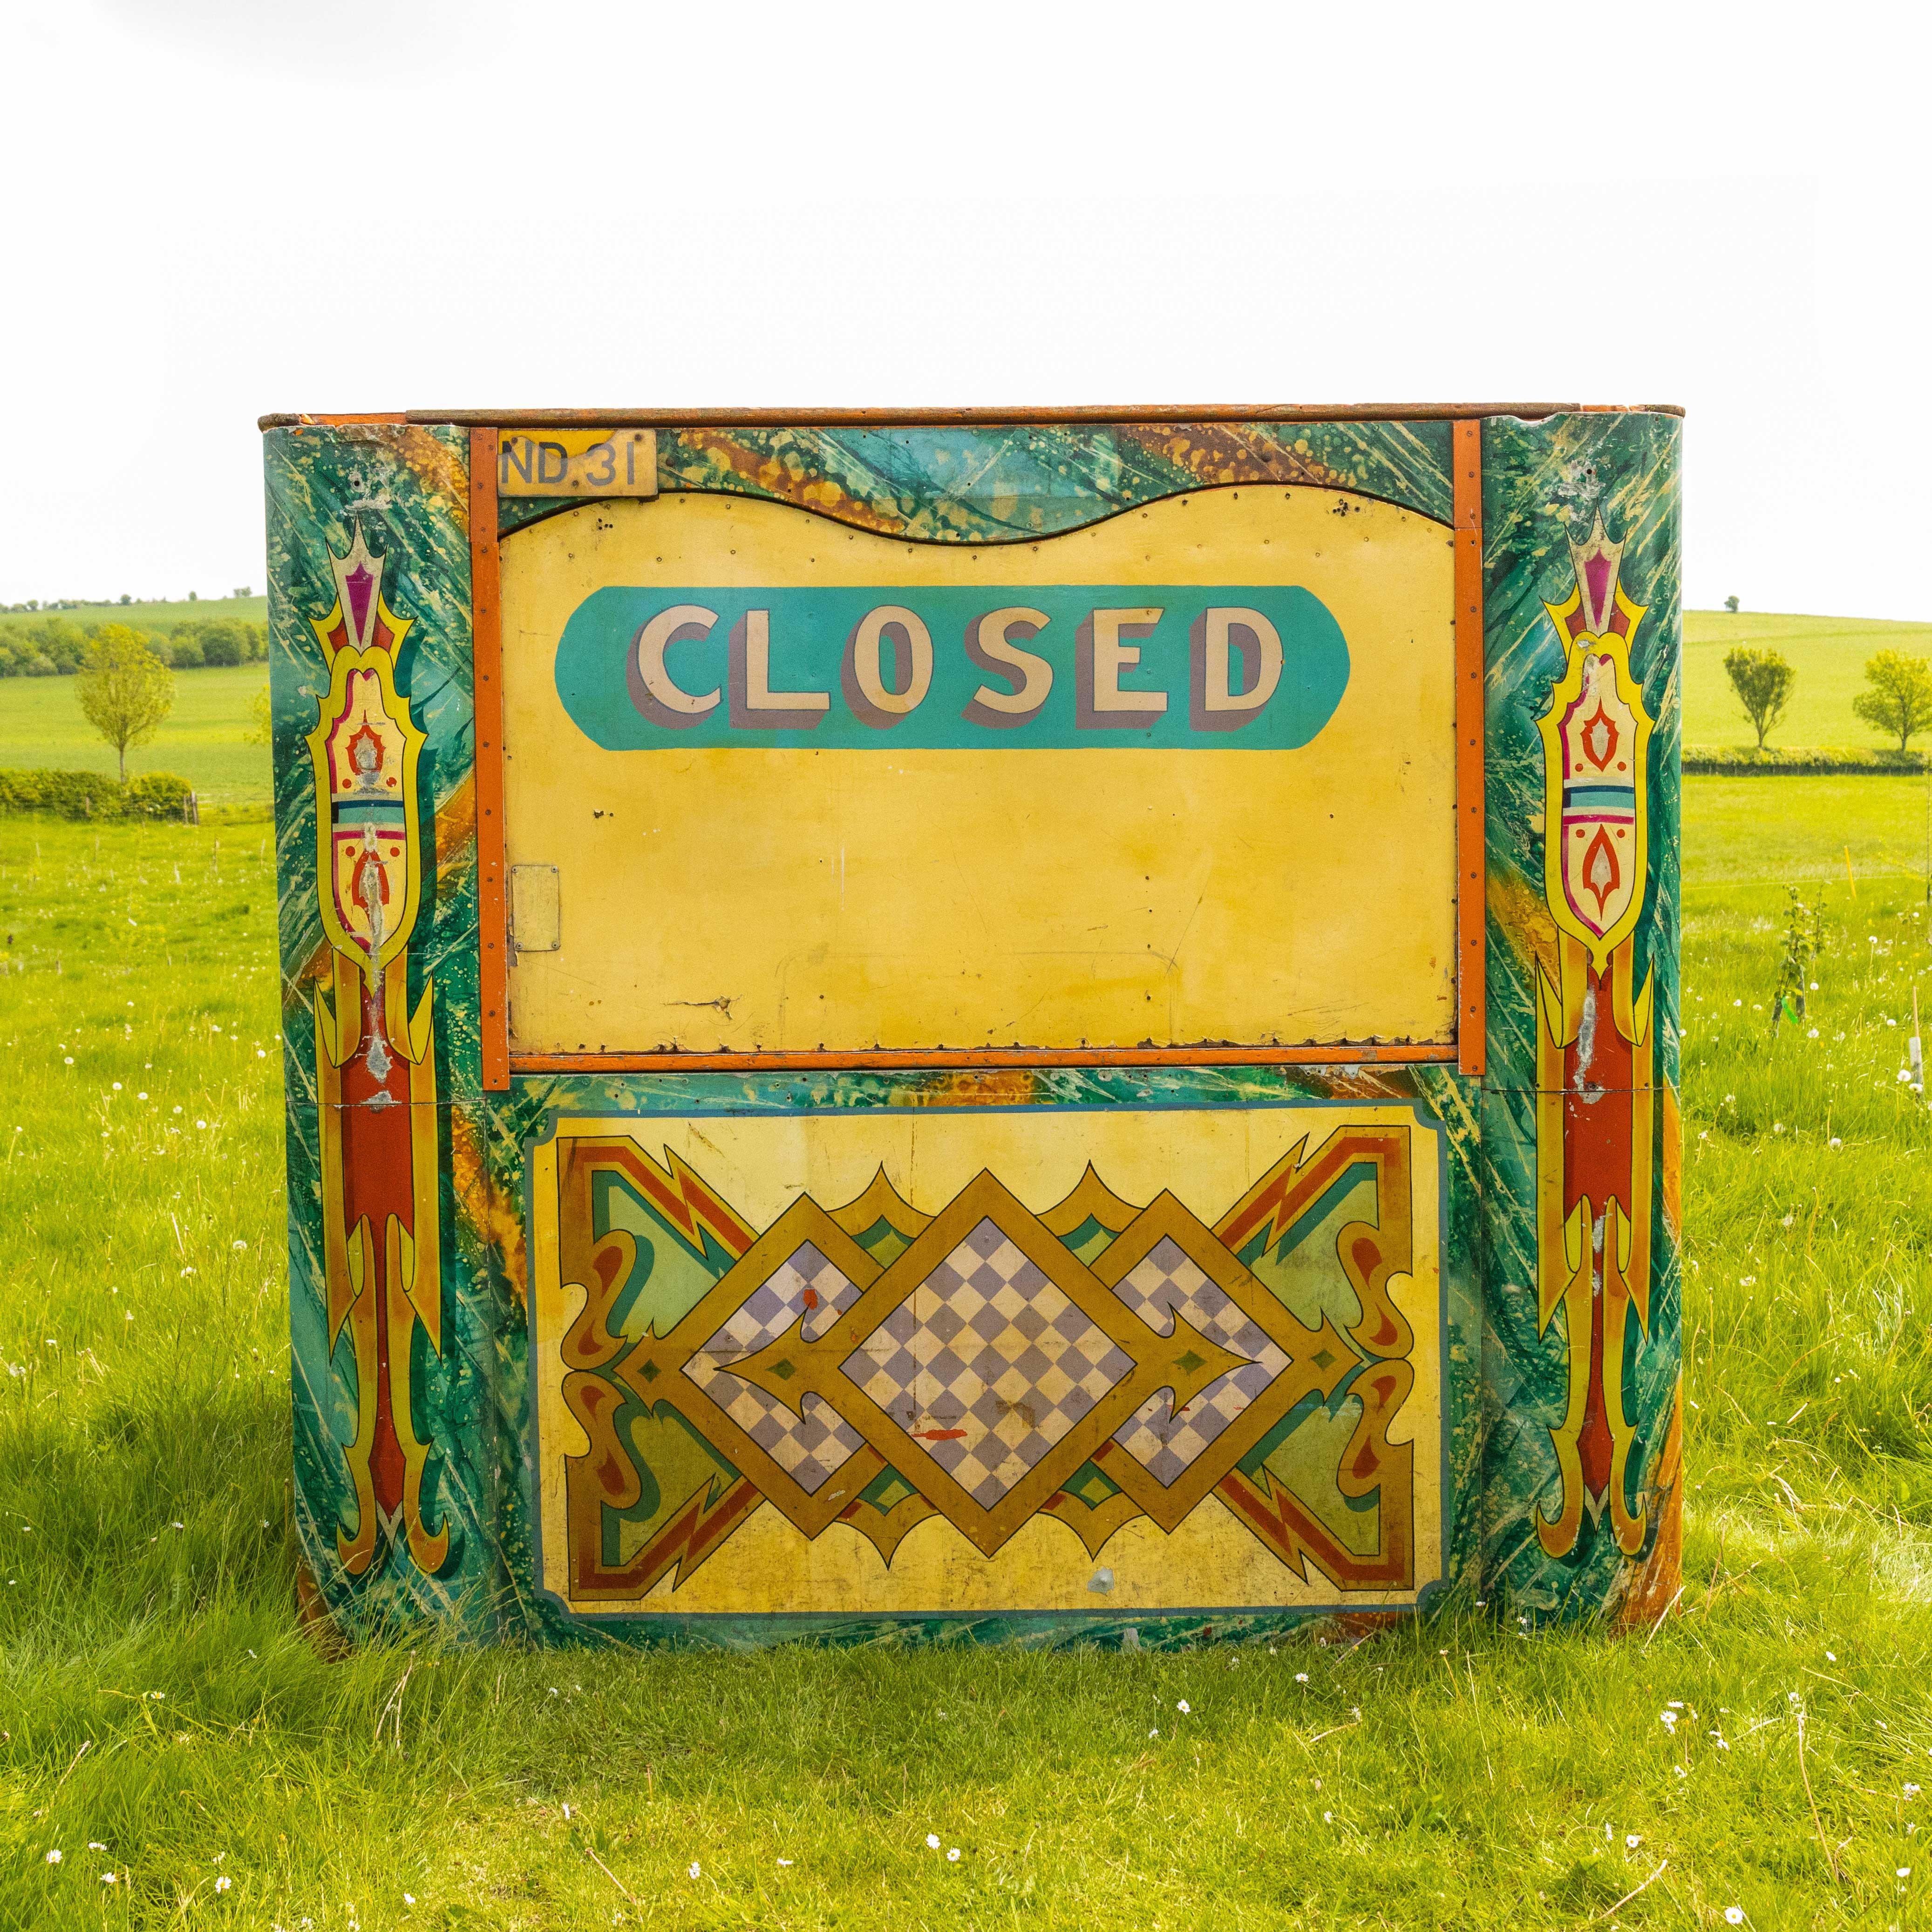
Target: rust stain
(1218, 453)
(1654, 1583)
(1003, 1086)
(1524, 915)
(786, 481)
(492, 1213)
(443, 471)
(1672, 1166)
(456, 827)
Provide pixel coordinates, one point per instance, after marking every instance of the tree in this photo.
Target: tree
(1900, 697)
(1731, 605)
(62, 642)
(124, 689)
(223, 641)
(1762, 681)
(261, 728)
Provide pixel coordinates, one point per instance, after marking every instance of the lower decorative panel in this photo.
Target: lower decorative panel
(919, 1362)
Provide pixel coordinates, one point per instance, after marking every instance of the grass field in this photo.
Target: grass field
(162, 1724)
(41, 725)
(1828, 654)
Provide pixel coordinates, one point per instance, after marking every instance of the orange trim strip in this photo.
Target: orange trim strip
(1471, 868)
(487, 650)
(1100, 412)
(1351, 1055)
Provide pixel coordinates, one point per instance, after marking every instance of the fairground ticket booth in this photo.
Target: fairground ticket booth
(1058, 1026)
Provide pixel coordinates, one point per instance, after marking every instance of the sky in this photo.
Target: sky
(217, 209)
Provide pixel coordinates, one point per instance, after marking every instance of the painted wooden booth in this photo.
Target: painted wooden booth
(1059, 1027)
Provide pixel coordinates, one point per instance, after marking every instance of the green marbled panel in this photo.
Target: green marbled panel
(1543, 482)
(407, 489)
(525, 1115)
(981, 484)
(1537, 476)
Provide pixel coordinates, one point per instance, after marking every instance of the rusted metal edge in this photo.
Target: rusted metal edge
(487, 670)
(1471, 864)
(673, 1062)
(1016, 416)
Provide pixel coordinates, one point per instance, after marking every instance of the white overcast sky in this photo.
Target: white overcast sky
(214, 208)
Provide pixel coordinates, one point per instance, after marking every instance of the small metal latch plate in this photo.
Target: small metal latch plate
(534, 914)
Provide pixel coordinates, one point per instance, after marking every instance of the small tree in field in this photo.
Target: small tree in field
(1762, 681)
(1899, 700)
(1731, 605)
(124, 689)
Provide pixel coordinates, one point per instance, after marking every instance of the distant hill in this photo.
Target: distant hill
(1828, 654)
(162, 614)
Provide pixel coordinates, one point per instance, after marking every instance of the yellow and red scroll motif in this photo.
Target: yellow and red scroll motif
(1595, 1054)
(375, 1060)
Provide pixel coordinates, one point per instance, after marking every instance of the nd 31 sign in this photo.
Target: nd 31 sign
(1051, 666)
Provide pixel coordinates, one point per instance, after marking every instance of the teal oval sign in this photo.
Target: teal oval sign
(1048, 666)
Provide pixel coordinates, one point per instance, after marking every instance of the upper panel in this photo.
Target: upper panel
(1185, 776)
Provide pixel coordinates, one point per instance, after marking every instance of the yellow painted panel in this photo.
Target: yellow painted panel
(716, 897)
(1191, 1169)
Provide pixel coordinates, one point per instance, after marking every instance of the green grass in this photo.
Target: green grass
(41, 725)
(160, 614)
(1738, 830)
(156, 1700)
(1828, 654)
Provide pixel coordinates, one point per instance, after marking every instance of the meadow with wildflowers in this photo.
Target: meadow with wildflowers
(173, 1752)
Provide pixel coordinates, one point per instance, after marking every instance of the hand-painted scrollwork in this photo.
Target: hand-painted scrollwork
(375, 1060)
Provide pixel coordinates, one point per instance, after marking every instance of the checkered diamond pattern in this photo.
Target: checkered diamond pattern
(1164, 1282)
(810, 1443)
(988, 1365)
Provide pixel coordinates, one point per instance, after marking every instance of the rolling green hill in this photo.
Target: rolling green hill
(160, 615)
(1828, 654)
